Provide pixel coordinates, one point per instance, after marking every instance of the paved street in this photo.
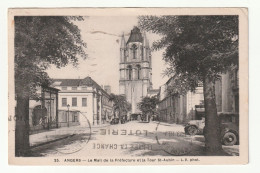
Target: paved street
(130, 139)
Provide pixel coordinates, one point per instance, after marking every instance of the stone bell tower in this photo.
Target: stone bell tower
(135, 68)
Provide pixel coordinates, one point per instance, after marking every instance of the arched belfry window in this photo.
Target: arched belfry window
(125, 55)
(134, 49)
(138, 71)
(129, 70)
(142, 53)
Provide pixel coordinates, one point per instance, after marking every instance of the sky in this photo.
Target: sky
(103, 36)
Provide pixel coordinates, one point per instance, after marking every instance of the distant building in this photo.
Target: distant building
(135, 68)
(227, 91)
(175, 107)
(85, 96)
(107, 88)
(153, 92)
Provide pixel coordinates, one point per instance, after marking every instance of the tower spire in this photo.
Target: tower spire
(123, 44)
(145, 41)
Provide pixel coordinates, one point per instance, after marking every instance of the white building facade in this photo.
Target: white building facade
(85, 96)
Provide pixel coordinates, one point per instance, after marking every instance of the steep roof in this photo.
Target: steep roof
(66, 82)
(88, 81)
(135, 36)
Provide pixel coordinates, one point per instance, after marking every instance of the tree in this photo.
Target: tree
(148, 106)
(197, 49)
(120, 104)
(40, 42)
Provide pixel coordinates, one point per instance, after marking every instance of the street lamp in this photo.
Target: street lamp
(68, 106)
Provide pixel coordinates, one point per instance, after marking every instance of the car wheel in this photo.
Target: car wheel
(229, 139)
(192, 130)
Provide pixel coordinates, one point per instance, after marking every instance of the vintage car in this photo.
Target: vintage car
(114, 121)
(229, 133)
(195, 127)
(229, 125)
(117, 120)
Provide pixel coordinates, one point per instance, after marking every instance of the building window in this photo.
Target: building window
(64, 102)
(142, 52)
(75, 117)
(64, 88)
(74, 101)
(138, 72)
(129, 70)
(74, 88)
(125, 55)
(84, 102)
(134, 49)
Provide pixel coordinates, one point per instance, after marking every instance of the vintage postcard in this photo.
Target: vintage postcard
(128, 86)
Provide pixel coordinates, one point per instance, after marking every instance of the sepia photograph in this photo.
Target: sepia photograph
(128, 86)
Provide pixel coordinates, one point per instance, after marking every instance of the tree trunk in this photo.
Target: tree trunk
(22, 126)
(212, 127)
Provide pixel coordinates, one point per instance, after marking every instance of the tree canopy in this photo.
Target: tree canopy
(197, 49)
(148, 105)
(195, 46)
(120, 103)
(41, 41)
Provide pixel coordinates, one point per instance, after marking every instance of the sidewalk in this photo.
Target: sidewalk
(54, 135)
